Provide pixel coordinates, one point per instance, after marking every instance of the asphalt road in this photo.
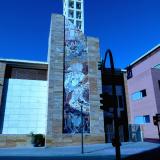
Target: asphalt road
(134, 151)
(60, 158)
(148, 155)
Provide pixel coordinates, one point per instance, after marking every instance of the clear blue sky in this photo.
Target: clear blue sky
(128, 27)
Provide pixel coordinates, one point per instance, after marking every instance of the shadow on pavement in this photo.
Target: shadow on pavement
(92, 151)
(153, 154)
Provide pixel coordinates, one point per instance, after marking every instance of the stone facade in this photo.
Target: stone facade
(32, 74)
(96, 115)
(57, 60)
(55, 76)
(2, 75)
(87, 55)
(15, 141)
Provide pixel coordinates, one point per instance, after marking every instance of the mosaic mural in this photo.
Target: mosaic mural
(76, 85)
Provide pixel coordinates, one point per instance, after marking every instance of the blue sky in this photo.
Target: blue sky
(128, 27)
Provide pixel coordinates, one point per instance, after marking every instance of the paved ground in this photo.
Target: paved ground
(92, 152)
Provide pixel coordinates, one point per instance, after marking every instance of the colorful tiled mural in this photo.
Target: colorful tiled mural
(76, 85)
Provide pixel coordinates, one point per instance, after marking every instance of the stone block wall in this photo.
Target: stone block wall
(15, 141)
(55, 76)
(55, 135)
(95, 85)
(30, 74)
(56, 68)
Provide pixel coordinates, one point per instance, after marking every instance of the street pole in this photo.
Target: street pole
(82, 148)
(156, 121)
(116, 141)
(116, 126)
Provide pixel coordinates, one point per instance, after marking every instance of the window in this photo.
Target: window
(78, 15)
(139, 95)
(79, 23)
(147, 118)
(107, 89)
(157, 66)
(71, 13)
(119, 92)
(129, 73)
(78, 5)
(144, 93)
(71, 20)
(120, 101)
(142, 119)
(71, 4)
(136, 96)
(159, 84)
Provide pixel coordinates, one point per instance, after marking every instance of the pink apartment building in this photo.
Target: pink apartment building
(143, 82)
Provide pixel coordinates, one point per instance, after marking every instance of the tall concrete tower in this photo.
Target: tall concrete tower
(74, 11)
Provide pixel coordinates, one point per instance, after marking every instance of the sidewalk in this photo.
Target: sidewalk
(127, 149)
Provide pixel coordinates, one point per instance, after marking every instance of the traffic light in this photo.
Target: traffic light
(108, 101)
(158, 117)
(155, 120)
(100, 65)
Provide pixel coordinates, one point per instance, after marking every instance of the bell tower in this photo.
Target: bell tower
(73, 10)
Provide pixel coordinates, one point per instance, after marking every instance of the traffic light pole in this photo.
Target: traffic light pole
(116, 140)
(158, 130)
(156, 121)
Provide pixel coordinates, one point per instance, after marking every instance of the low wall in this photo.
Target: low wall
(56, 140)
(15, 141)
(67, 140)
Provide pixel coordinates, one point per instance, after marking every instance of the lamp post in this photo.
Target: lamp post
(116, 141)
(158, 130)
(82, 145)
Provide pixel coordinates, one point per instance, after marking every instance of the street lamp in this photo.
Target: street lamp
(82, 145)
(116, 141)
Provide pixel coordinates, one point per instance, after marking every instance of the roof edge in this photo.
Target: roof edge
(23, 61)
(144, 55)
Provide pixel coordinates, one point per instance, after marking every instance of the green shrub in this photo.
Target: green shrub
(38, 140)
